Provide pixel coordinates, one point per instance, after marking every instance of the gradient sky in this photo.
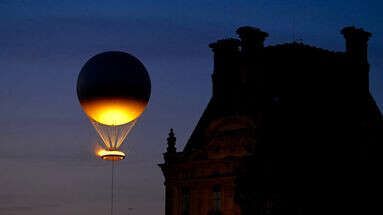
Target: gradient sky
(47, 164)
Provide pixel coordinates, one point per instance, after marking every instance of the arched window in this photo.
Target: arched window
(217, 198)
(268, 207)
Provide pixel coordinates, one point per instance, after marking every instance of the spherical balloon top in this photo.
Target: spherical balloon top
(113, 88)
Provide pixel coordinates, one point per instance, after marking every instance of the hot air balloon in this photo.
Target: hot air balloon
(113, 89)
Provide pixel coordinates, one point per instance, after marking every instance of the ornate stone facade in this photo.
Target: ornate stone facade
(287, 127)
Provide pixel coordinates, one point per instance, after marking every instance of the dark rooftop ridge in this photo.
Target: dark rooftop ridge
(302, 46)
(225, 44)
(248, 32)
(357, 33)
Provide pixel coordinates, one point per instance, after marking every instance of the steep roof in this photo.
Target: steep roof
(271, 56)
(216, 108)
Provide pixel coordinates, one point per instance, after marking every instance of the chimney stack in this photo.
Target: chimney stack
(226, 59)
(356, 51)
(356, 43)
(252, 38)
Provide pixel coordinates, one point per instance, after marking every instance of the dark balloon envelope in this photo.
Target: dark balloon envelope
(113, 88)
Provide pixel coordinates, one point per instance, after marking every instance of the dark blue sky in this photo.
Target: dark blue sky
(46, 142)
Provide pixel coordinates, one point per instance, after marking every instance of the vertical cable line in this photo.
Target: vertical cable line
(111, 198)
(117, 185)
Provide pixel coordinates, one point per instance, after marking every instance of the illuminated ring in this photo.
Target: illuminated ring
(113, 155)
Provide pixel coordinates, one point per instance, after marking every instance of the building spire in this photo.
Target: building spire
(171, 141)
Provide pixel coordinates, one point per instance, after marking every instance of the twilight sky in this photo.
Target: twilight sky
(47, 164)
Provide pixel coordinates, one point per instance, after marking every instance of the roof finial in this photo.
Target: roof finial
(171, 142)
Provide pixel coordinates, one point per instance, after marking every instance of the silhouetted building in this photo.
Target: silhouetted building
(290, 129)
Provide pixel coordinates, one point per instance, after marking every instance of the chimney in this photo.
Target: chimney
(226, 58)
(356, 51)
(252, 38)
(356, 43)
